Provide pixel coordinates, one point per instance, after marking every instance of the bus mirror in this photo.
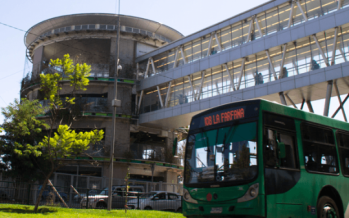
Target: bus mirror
(282, 150)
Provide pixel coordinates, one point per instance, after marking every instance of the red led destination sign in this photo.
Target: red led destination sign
(224, 116)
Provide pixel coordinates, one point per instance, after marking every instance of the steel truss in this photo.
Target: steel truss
(284, 97)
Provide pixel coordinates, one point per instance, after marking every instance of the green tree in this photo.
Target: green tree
(59, 141)
(22, 130)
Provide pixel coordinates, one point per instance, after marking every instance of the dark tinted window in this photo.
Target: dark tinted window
(317, 134)
(162, 196)
(172, 197)
(279, 129)
(280, 122)
(343, 143)
(271, 158)
(119, 192)
(319, 149)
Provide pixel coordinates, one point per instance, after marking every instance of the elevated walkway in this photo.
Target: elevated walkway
(305, 88)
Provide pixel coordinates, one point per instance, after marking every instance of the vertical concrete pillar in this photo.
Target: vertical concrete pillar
(112, 56)
(37, 60)
(328, 98)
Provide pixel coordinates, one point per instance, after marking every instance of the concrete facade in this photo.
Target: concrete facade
(91, 39)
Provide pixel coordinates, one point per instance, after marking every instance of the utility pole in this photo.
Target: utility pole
(115, 103)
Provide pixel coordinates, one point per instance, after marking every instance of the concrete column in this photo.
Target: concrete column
(328, 97)
(37, 60)
(170, 139)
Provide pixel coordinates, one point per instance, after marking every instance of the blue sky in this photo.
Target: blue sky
(186, 16)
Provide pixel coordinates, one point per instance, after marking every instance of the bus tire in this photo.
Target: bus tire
(327, 206)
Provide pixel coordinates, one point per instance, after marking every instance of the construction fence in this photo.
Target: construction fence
(91, 192)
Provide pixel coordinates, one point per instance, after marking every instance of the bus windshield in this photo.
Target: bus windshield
(221, 155)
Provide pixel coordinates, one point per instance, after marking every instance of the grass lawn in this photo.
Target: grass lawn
(16, 210)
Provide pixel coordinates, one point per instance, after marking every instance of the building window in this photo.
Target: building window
(148, 154)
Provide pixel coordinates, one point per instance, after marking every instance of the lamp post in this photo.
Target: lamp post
(115, 103)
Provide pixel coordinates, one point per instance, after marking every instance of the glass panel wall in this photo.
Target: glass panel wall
(329, 6)
(188, 52)
(313, 9)
(290, 64)
(204, 45)
(262, 24)
(217, 80)
(196, 81)
(245, 29)
(236, 36)
(297, 14)
(262, 66)
(225, 38)
(197, 49)
(207, 85)
(345, 3)
(227, 85)
(180, 60)
(214, 45)
(284, 15)
(301, 56)
(250, 72)
(270, 21)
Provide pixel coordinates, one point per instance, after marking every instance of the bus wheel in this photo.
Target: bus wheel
(327, 208)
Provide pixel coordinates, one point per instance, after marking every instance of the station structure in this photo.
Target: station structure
(290, 52)
(91, 39)
(286, 51)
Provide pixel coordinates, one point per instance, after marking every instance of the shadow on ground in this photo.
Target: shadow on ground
(27, 210)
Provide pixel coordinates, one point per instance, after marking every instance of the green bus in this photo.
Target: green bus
(261, 159)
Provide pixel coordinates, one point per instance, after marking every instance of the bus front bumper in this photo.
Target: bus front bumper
(251, 208)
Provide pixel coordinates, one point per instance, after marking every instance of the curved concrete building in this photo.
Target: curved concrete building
(91, 39)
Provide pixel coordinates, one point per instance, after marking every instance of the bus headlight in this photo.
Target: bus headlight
(251, 193)
(187, 197)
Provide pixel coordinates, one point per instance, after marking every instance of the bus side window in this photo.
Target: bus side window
(343, 143)
(283, 129)
(319, 149)
(290, 160)
(270, 159)
(270, 150)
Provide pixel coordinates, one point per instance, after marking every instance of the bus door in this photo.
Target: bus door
(281, 167)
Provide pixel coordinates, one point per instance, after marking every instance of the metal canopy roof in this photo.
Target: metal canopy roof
(99, 18)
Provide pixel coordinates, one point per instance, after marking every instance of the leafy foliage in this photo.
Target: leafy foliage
(76, 74)
(20, 118)
(21, 123)
(67, 142)
(20, 152)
